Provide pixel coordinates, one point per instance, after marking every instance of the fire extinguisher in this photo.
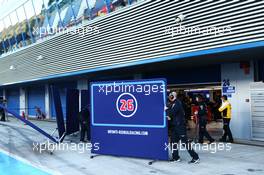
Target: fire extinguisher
(24, 116)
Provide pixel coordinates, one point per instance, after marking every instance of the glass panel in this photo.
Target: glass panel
(40, 16)
(76, 4)
(80, 14)
(69, 18)
(98, 8)
(87, 12)
(19, 34)
(23, 25)
(56, 20)
(30, 14)
(53, 17)
(2, 43)
(14, 30)
(117, 4)
(60, 22)
(7, 33)
(133, 1)
(11, 34)
(45, 27)
(65, 11)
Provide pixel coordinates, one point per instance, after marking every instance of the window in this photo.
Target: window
(33, 22)
(117, 4)
(24, 26)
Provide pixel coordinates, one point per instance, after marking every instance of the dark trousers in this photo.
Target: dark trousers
(2, 115)
(84, 130)
(203, 131)
(179, 135)
(227, 130)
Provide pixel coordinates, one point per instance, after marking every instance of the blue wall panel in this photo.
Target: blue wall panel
(12, 96)
(36, 97)
(63, 90)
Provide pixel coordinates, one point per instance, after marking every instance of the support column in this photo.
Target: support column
(81, 85)
(4, 94)
(47, 102)
(23, 101)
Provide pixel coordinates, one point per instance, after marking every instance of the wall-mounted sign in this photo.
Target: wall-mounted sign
(229, 89)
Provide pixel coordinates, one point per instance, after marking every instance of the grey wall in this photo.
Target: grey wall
(241, 116)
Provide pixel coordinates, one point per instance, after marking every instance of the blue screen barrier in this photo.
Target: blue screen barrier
(72, 111)
(58, 109)
(128, 118)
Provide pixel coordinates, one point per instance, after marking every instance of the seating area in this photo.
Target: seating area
(36, 20)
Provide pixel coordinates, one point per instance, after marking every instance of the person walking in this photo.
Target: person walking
(175, 113)
(202, 117)
(225, 110)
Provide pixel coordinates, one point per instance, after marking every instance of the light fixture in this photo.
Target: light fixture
(40, 57)
(12, 67)
(180, 18)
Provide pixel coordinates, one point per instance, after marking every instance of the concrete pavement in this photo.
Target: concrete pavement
(18, 139)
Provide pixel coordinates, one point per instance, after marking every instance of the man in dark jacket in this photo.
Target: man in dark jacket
(84, 119)
(202, 117)
(2, 110)
(175, 114)
(2, 114)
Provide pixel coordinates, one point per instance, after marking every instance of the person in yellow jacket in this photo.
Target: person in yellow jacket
(225, 110)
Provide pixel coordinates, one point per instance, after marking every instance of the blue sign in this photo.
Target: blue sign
(128, 118)
(229, 89)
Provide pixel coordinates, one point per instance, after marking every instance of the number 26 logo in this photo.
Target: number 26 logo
(127, 105)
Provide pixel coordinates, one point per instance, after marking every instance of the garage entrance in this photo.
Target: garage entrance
(190, 81)
(212, 97)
